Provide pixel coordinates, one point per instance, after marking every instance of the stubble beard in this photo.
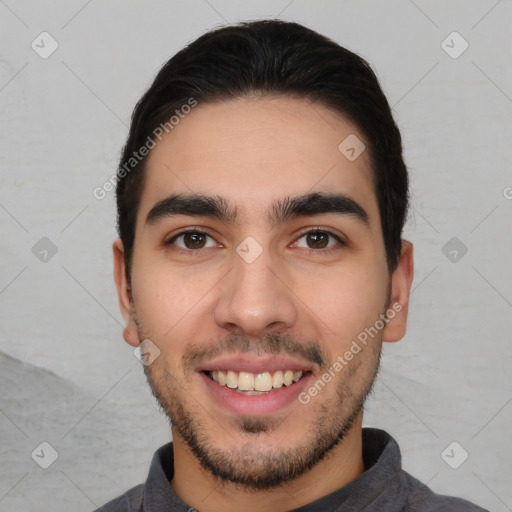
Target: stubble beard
(252, 466)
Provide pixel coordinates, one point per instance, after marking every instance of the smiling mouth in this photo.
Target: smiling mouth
(255, 383)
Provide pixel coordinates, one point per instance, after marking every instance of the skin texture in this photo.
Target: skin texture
(297, 294)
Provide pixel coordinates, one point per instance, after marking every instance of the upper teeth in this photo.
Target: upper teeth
(246, 381)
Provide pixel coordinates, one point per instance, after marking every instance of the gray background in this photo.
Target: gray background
(66, 375)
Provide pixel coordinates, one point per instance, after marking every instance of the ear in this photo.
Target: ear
(401, 281)
(124, 295)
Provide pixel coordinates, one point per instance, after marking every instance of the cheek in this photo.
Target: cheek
(349, 302)
(167, 301)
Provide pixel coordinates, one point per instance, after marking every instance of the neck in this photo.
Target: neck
(199, 489)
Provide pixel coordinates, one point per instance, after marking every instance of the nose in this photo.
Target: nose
(255, 298)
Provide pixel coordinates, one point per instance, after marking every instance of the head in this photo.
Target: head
(261, 200)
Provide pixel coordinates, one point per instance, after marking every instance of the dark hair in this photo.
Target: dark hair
(277, 58)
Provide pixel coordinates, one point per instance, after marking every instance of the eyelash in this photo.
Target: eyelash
(311, 252)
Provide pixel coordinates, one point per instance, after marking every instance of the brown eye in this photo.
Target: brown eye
(190, 240)
(318, 239)
(194, 240)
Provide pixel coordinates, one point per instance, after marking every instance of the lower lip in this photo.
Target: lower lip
(255, 405)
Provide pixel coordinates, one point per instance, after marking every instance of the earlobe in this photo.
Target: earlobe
(124, 295)
(401, 282)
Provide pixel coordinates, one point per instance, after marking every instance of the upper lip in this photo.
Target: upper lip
(254, 364)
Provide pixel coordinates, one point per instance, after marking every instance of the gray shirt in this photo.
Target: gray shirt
(383, 487)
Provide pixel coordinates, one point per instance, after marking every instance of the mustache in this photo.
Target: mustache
(275, 344)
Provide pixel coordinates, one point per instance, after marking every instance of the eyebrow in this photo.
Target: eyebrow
(291, 207)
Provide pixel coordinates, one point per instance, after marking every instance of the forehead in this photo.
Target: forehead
(255, 151)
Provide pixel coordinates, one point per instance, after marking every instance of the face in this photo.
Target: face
(257, 265)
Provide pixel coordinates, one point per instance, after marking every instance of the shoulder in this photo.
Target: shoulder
(422, 499)
(130, 501)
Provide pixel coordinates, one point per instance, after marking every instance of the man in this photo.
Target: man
(261, 200)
